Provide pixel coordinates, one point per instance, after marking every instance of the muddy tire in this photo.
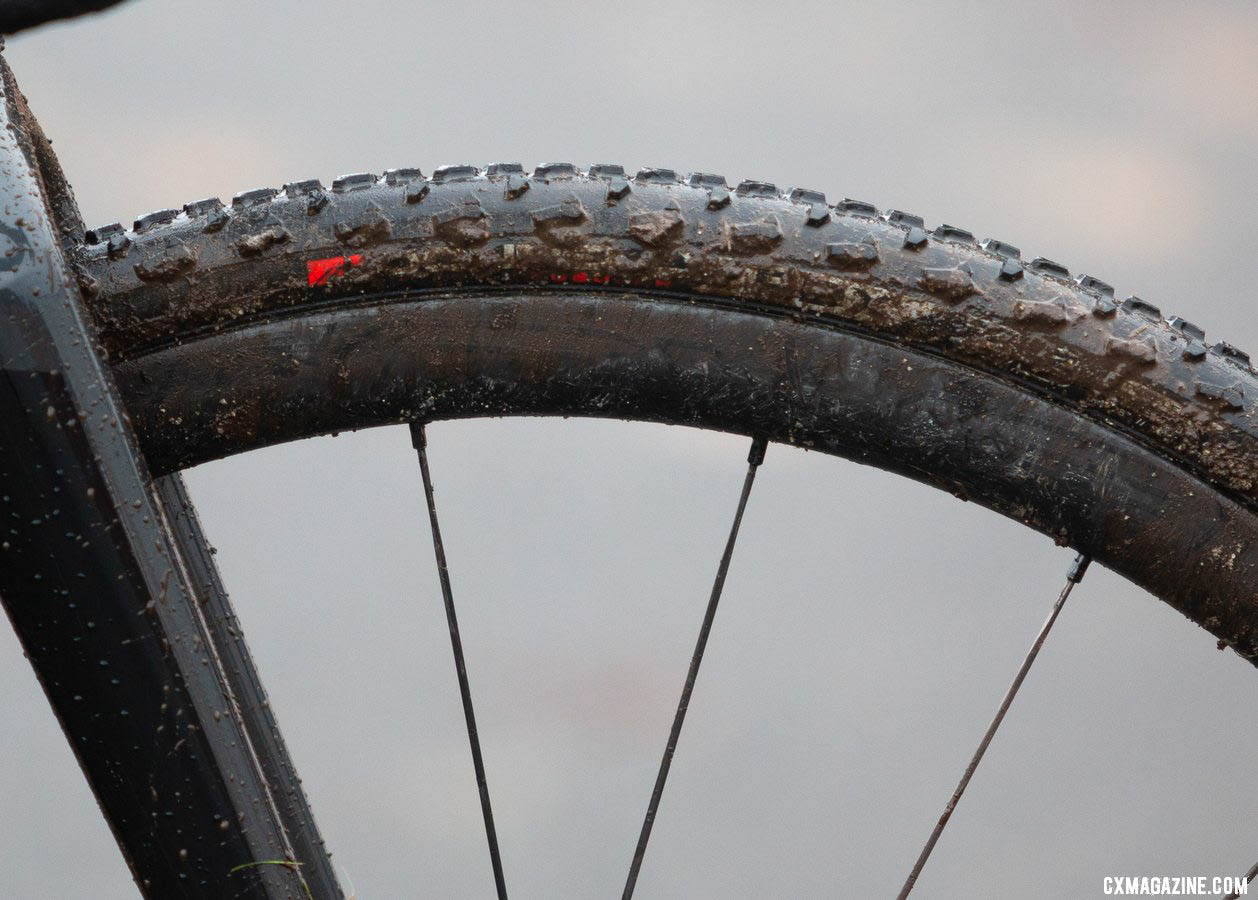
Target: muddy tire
(855, 331)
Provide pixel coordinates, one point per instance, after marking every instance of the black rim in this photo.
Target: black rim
(686, 362)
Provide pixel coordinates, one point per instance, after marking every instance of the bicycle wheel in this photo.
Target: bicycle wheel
(306, 310)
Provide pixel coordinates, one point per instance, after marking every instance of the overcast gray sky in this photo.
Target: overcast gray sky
(870, 625)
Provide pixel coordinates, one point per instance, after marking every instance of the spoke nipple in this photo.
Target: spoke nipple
(758, 446)
(1077, 568)
(418, 440)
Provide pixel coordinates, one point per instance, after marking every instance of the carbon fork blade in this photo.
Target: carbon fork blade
(420, 441)
(1073, 577)
(754, 458)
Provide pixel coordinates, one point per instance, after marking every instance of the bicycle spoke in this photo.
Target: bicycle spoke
(421, 443)
(1249, 876)
(1073, 577)
(754, 458)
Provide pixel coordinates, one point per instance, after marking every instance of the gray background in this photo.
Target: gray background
(870, 625)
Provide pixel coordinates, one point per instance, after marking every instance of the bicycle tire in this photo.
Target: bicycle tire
(855, 331)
